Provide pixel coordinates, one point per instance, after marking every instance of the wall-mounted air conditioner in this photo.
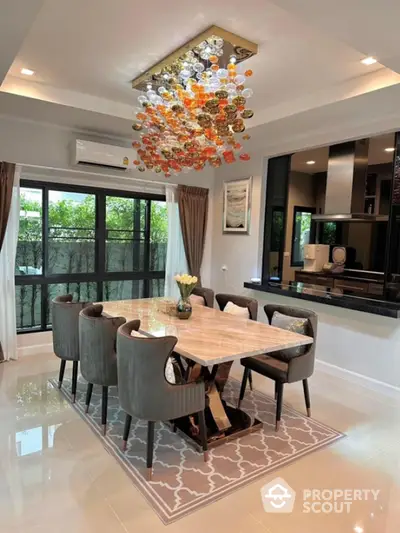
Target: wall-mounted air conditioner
(103, 155)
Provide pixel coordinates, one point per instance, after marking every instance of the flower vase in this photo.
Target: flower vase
(184, 308)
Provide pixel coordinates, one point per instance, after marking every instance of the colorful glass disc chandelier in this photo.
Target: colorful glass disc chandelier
(194, 108)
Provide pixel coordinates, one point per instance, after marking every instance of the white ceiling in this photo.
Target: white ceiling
(370, 26)
(97, 46)
(86, 52)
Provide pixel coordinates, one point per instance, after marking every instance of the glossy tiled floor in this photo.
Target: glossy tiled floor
(56, 476)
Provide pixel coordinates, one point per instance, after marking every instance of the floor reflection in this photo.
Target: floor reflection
(35, 439)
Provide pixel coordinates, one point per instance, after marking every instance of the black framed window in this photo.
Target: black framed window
(96, 244)
(331, 233)
(302, 233)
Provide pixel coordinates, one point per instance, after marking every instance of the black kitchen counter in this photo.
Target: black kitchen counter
(372, 277)
(335, 297)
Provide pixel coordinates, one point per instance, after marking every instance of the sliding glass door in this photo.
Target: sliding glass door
(98, 245)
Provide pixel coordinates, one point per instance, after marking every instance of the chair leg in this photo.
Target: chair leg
(74, 379)
(89, 391)
(61, 374)
(279, 398)
(104, 403)
(127, 428)
(251, 380)
(150, 446)
(203, 434)
(180, 364)
(276, 390)
(243, 387)
(307, 396)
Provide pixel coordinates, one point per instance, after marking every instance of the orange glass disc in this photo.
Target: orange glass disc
(244, 157)
(248, 73)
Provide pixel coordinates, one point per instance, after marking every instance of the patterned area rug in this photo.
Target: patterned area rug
(182, 482)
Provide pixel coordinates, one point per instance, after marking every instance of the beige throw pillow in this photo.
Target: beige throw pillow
(234, 309)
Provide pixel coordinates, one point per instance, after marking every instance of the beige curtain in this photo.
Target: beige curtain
(193, 211)
(7, 171)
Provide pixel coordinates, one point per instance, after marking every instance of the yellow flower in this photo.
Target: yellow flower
(186, 279)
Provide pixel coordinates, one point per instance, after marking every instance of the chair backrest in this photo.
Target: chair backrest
(65, 324)
(97, 340)
(142, 387)
(241, 301)
(300, 367)
(297, 312)
(206, 294)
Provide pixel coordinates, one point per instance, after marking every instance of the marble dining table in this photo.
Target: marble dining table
(209, 338)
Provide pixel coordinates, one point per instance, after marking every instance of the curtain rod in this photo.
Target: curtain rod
(87, 173)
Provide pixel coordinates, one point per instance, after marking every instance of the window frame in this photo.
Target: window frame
(100, 275)
(301, 209)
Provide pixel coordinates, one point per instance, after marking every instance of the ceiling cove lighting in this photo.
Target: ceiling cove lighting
(194, 105)
(310, 163)
(368, 60)
(390, 149)
(27, 72)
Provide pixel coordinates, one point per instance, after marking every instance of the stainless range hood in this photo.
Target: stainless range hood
(345, 184)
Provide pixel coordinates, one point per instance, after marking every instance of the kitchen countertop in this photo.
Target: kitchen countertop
(372, 277)
(335, 297)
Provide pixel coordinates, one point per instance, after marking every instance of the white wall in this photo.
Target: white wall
(43, 145)
(241, 254)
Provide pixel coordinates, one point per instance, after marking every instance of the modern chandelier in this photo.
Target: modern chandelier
(194, 105)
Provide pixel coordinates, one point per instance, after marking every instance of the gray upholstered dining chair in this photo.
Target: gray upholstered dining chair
(285, 366)
(97, 340)
(252, 309)
(65, 323)
(146, 394)
(206, 294)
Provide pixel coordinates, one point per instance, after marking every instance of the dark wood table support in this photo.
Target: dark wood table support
(223, 421)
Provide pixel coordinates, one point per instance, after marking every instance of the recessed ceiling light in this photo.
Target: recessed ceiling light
(310, 162)
(368, 60)
(389, 149)
(27, 71)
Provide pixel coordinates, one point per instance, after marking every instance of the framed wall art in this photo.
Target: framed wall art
(237, 200)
